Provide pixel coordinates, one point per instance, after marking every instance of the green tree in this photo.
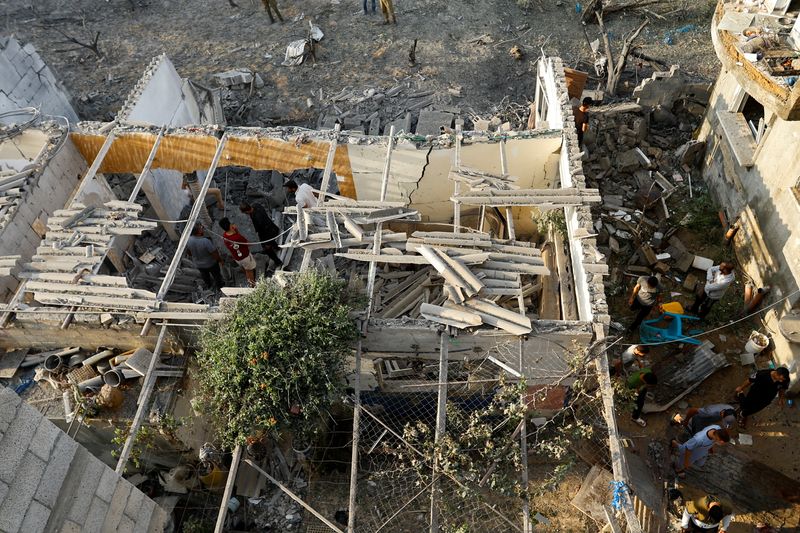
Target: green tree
(276, 359)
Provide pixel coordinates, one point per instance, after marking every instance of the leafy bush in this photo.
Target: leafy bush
(275, 361)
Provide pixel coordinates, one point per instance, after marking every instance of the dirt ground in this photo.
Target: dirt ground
(203, 37)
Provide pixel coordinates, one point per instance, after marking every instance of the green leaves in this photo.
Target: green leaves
(278, 347)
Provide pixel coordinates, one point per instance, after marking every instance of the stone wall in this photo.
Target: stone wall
(25, 81)
(48, 482)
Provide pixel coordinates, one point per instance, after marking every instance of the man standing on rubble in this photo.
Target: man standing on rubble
(303, 195)
(237, 245)
(640, 381)
(387, 8)
(269, 5)
(206, 257)
(718, 279)
(645, 295)
(581, 114)
(763, 386)
(267, 233)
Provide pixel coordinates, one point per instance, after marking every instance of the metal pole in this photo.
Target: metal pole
(144, 402)
(98, 160)
(387, 164)
(441, 411)
(351, 513)
(326, 175)
(199, 203)
(226, 495)
(295, 497)
(146, 167)
(523, 449)
(504, 170)
(457, 185)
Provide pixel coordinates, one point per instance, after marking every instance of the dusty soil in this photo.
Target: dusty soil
(203, 37)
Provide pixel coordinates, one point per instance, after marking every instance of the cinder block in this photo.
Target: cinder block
(126, 525)
(134, 503)
(145, 515)
(21, 492)
(117, 506)
(95, 517)
(56, 471)
(36, 518)
(44, 439)
(107, 485)
(9, 401)
(85, 491)
(14, 445)
(3, 492)
(70, 527)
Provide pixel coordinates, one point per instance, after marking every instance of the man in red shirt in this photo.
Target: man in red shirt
(237, 246)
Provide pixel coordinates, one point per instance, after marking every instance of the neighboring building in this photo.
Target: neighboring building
(752, 134)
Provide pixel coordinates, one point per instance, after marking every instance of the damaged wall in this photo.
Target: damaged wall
(25, 81)
(762, 198)
(59, 171)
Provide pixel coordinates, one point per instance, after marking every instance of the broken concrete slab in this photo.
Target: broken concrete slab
(431, 122)
(401, 125)
(662, 88)
(240, 78)
(690, 153)
(629, 160)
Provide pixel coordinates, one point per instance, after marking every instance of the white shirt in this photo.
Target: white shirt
(628, 356)
(717, 283)
(305, 196)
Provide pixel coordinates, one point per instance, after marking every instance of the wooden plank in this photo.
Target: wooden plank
(10, 361)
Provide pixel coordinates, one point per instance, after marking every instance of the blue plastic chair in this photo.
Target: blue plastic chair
(649, 333)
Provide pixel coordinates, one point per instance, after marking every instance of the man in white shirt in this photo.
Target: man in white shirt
(718, 279)
(304, 194)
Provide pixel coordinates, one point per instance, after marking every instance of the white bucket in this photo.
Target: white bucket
(756, 343)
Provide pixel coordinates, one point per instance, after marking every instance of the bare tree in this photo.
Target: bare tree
(92, 44)
(614, 69)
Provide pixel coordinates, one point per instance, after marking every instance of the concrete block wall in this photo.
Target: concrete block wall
(47, 191)
(48, 482)
(25, 81)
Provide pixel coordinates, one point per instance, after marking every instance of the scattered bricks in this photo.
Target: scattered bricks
(44, 439)
(648, 254)
(56, 471)
(21, 492)
(375, 126)
(640, 128)
(108, 482)
(117, 506)
(690, 284)
(661, 267)
(628, 161)
(430, 122)
(14, 444)
(35, 518)
(96, 516)
(685, 263)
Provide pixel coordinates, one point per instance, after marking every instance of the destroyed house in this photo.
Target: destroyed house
(474, 251)
(750, 162)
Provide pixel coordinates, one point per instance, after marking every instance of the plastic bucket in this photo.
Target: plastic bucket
(756, 343)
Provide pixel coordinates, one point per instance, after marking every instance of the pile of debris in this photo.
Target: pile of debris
(640, 155)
